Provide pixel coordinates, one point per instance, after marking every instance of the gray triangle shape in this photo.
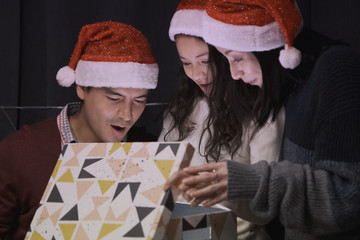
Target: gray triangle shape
(71, 215)
(168, 200)
(136, 231)
(133, 189)
(88, 162)
(55, 195)
(120, 187)
(174, 147)
(64, 150)
(143, 212)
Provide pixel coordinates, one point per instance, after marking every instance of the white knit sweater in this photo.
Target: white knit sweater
(264, 144)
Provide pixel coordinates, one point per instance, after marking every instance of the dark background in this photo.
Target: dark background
(37, 38)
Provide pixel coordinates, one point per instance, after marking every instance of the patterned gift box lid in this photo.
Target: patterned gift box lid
(109, 191)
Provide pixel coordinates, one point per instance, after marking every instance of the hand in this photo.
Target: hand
(207, 183)
(176, 180)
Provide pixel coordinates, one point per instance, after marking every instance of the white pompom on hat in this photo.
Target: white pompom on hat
(111, 54)
(188, 18)
(254, 26)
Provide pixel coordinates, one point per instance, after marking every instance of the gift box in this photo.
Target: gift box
(109, 191)
(188, 223)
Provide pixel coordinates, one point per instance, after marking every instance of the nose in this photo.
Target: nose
(236, 74)
(198, 74)
(125, 111)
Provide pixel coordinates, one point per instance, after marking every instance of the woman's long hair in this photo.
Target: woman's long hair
(231, 107)
(182, 104)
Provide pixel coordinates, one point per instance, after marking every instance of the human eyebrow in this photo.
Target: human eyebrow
(227, 52)
(142, 96)
(111, 92)
(203, 54)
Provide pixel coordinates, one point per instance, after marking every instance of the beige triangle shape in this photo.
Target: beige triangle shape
(67, 230)
(98, 201)
(195, 219)
(157, 221)
(73, 162)
(142, 153)
(131, 169)
(44, 215)
(66, 177)
(94, 215)
(56, 215)
(116, 165)
(165, 167)
(153, 194)
(56, 169)
(107, 228)
(121, 218)
(217, 222)
(127, 146)
(187, 157)
(81, 234)
(82, 187)
(36, 236)
(77, 148)
(105, 185)
(99, 150)
(115, 147)
(174, 227)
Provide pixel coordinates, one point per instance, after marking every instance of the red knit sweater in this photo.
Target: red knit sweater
(27, 159)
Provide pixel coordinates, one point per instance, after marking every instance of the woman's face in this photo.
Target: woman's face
(244, 66)
(194, 55)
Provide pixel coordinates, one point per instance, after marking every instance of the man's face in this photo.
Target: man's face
(108, 114)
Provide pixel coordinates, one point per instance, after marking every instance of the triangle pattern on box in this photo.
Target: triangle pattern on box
(88, 162)
(108, 228)
(143, 212)
(108, 191)
(168, 200)
(115, 146)
(67, 230)
(55, 195)
(165, 167)
(136, 232)
(71, 215)
(174, 147)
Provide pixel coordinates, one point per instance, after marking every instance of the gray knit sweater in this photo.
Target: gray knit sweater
(315, 189)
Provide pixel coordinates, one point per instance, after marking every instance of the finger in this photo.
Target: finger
(208, 191)
(212, 201)
(175, 179)
(203, 168)
(193, 180)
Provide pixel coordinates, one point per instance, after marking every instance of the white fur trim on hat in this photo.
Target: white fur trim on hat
(116, 74)
(186, 21)
(242, 38)
(290, 57)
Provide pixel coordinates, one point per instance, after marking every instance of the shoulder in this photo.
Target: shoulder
(40, 130)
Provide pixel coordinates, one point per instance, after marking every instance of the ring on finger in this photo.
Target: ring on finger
(217, 179)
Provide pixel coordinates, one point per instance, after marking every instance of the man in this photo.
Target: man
(114, 68)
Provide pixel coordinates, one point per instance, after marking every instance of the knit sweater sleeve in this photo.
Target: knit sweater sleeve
(317, 190)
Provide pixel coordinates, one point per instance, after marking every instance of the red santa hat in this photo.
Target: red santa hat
(253, 26)
(111, 54)
(188, 18)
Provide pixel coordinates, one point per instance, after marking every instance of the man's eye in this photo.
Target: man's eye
(237, 59)
(113, 99)
(140, 100)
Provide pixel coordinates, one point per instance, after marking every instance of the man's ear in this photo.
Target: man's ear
(80, 90)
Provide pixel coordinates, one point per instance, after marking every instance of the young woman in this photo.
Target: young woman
(315, 188)
(229, 132)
